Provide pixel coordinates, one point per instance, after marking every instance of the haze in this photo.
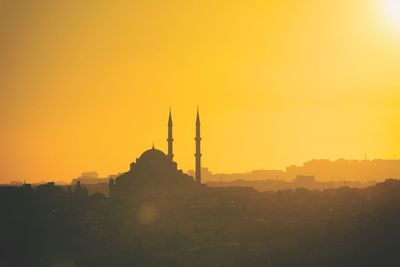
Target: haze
(88, 85)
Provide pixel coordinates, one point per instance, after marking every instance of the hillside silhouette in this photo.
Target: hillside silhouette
(51, 226)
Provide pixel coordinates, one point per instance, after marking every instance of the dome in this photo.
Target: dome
(154, 168)
(153, 154)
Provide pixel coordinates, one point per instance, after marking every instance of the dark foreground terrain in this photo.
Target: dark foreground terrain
(51, 226)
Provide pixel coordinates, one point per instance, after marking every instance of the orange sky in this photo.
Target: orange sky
(86, 85)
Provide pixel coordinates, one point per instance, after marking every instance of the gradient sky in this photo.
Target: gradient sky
(86, 85)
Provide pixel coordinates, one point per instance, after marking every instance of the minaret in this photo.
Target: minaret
(170, 139)
(198, 153)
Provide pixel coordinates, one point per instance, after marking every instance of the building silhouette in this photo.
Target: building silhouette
(170, 140)
(198, 153)
(154, 170)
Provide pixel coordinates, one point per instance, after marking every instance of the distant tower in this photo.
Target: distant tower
(170, 139)
(198, 153)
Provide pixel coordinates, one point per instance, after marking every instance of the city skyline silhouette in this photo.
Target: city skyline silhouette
(217, 133)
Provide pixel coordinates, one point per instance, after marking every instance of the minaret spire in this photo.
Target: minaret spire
(170, 139)
(198, 152)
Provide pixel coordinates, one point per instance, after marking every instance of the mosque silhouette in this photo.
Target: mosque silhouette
(154, 170)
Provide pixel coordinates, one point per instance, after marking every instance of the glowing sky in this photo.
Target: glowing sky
(86, 85)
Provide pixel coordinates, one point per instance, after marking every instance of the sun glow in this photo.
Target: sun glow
(88, 87)
(392, 12)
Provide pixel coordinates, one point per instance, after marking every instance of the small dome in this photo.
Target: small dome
(153, 154)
